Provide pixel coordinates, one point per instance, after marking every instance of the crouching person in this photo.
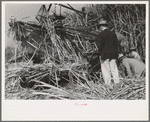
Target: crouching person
(132, 66)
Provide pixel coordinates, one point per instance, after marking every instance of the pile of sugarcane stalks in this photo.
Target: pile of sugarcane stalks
(128, 89)
(81, 86)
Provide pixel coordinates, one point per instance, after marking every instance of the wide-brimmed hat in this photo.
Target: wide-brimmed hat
(132, 49)
(102, 22)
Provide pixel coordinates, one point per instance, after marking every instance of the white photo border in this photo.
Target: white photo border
(55, 110)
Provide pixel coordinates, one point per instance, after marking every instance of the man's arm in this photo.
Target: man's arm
(99, 43)
(116, 41)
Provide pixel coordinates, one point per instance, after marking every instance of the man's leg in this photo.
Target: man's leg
(114, 70)
(106, 71)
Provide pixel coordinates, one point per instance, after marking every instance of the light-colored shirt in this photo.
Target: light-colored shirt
(133, 66)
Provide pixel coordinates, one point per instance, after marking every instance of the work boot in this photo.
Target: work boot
(111, 87)
(115, 85)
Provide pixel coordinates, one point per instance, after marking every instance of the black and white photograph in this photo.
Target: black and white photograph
(75, 51)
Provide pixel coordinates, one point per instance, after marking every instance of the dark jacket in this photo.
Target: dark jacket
(107, 44)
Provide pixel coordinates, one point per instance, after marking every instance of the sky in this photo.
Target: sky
(20, 11)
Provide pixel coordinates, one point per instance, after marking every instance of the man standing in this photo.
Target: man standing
(107, 44)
